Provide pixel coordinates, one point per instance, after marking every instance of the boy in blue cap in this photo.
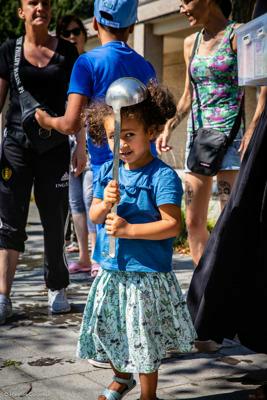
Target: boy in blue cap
(114, 21)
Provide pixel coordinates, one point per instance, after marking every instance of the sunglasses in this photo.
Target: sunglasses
(67, 32)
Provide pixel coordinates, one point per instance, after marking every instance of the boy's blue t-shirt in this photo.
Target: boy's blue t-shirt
(142, 191)
(95, 70)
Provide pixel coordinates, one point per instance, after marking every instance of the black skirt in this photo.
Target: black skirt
(228, 291)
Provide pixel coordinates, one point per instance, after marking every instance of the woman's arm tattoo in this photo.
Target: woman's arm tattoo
(179, 116)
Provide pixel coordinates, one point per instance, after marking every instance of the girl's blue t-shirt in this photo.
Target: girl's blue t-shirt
(142, 191)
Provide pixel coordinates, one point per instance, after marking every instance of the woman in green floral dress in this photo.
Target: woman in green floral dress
(214, 71)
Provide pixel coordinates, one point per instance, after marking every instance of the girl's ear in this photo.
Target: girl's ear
(152, 132)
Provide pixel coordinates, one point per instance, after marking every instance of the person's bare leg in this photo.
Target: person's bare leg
(8, 264)
(92, 239)
(117, 387)
(80, 224)
(197, 196)
(225, 183)
(149, 383)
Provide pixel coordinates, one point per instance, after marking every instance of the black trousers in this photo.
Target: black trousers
(21, 168)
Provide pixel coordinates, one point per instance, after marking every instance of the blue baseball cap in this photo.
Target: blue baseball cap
(116, 13)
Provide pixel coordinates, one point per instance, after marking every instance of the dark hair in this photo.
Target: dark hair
(63, 23)
(154, 112)
(225, 6)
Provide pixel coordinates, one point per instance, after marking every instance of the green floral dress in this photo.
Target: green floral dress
(216, 78)
(133, 318)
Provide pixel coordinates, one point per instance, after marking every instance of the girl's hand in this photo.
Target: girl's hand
(117, 226)
(111, 194)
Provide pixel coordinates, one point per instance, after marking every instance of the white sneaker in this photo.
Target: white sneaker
(5, 308)
(99, 364)
(57, 301)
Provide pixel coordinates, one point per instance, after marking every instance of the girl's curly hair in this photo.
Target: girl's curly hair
(153, 112)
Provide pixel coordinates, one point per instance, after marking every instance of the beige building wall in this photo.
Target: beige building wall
(174, 78)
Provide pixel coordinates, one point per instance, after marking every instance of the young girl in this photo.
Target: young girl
(135, 310)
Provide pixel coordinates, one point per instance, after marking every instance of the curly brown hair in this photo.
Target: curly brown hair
(153, 112)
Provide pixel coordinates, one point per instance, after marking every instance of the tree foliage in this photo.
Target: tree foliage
(12, 26)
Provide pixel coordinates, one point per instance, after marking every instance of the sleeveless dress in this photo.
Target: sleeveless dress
(216, 77)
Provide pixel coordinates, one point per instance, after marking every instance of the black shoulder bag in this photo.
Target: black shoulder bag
(42, 140)
(209, 145)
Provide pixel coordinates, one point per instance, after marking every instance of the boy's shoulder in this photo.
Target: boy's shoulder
(113, 49)
(90, 54)
(99, 55)
(114, 59)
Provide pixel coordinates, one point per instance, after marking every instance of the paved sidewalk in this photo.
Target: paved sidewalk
(37, 350)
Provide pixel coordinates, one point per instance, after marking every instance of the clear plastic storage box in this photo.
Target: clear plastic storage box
(252, 52)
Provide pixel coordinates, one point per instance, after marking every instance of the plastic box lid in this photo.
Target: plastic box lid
(252, 52)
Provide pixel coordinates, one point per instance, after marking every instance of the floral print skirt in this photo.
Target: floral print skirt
(133, 318)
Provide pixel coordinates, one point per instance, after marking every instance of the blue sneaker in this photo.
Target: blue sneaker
(5, 308)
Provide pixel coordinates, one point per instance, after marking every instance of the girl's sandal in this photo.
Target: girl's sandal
(113, 395)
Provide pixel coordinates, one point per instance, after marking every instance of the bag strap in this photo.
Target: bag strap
(192, 80)
(17, 58)
(237, 123)
(240, 115)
